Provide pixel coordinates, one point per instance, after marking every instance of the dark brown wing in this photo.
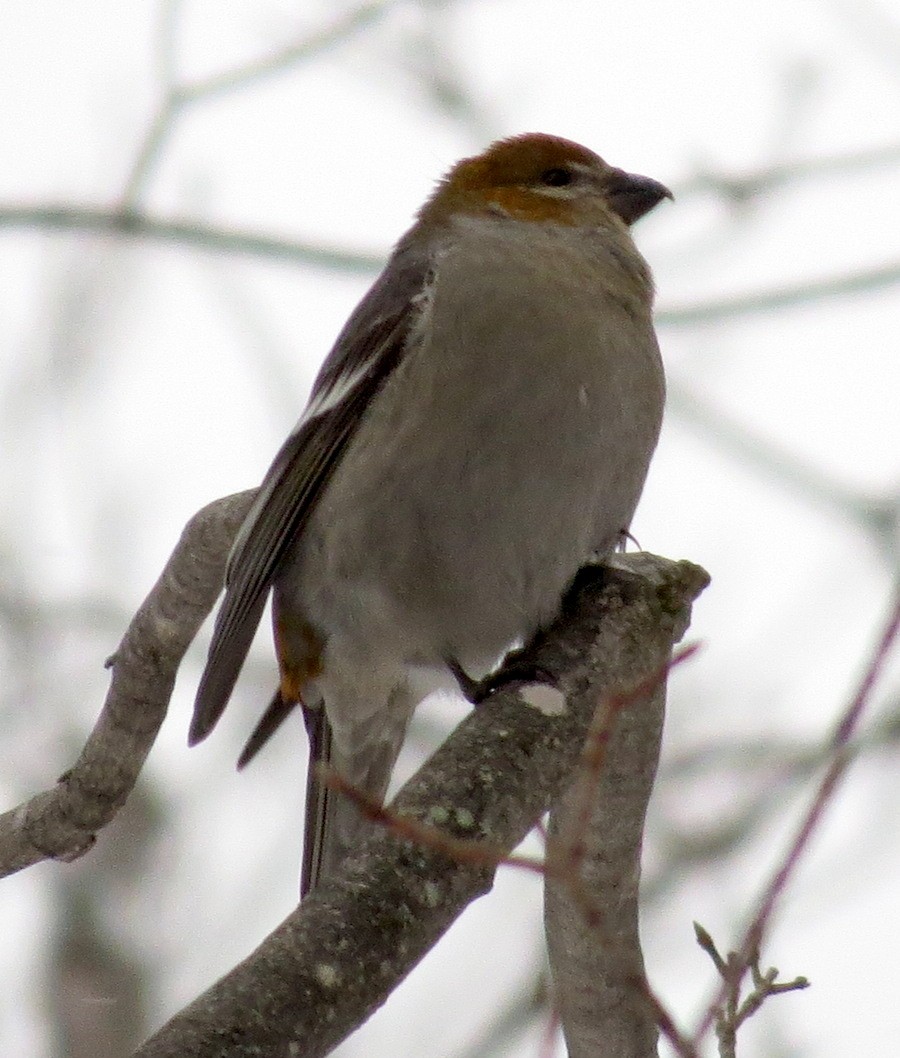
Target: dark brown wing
(367, 351)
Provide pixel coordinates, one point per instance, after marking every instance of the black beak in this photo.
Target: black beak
(631, 196)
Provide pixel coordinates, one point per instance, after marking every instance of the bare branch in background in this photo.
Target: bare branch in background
(738, 188)
(878, 516)
(427, 53)
(875, 26)
(225, 240)
(512, 1018)
(187, 233)
(93, 964)
(784, 296)
(178, 99)
(840, 759)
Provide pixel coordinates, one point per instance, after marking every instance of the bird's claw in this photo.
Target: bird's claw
(517, 667)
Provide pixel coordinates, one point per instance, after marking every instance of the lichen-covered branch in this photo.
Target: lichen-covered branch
(338, 956)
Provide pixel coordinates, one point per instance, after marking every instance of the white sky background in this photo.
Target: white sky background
(139, 380)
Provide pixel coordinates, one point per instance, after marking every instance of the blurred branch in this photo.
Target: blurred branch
(95, 991)
(185, 233)
(428, 54)
(765, 772)
(340, 31)
(784, 296)
(880, 517)
(792, 758)
(338, 956)
(18, 608)
(263, 345)
(875, 27)
(180, 98)
(512, 1018)
(99, 976)
(737, 189)
(62, 823)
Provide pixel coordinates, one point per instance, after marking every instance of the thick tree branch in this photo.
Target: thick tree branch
(591, 919)
(338, 956)
(62, 823)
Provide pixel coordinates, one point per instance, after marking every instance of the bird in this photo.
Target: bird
(482, 427)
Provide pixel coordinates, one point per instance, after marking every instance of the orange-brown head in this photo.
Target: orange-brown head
(544, 179)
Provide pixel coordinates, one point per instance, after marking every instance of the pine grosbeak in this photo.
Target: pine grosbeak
(481, 428)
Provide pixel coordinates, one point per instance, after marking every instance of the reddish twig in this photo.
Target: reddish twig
(841, 756)
(463, 850)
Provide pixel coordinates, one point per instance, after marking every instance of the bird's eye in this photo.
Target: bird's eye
(557, 177)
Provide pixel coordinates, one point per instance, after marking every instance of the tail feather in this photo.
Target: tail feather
(318, 798)
(334, 825)
(276, 713)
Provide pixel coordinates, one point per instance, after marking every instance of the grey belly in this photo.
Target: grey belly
(466, 545)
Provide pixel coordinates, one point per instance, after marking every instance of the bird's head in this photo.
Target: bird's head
(535, 177)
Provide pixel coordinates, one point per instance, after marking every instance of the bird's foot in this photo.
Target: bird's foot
(517, 667)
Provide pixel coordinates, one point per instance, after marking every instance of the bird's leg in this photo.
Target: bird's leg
(519, 665)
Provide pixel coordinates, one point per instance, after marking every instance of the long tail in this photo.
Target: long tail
(333, 823)
(319, 800)
(320, 809)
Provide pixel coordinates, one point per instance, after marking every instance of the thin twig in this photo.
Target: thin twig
(344, 28)
(568, 849)
(740, 188)
(841, 758)
(179, 98)
(734, 1011)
